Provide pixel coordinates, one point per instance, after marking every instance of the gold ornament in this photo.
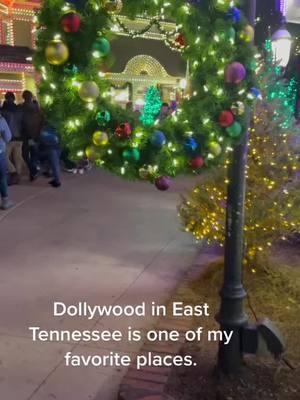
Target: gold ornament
(89, 91)
(113, 6)
(100, 138)
(247, 34)
(91, 152)
(57, 53)
(215, 148)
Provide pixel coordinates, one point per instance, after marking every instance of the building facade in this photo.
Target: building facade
(139, 62)
(17, 42)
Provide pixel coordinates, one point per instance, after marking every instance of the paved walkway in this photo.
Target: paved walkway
(97, 239)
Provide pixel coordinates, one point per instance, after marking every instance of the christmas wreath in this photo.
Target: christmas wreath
(73, 53)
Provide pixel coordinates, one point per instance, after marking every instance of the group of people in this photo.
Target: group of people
(26, 141)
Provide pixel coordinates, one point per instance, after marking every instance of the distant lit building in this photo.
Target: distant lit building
(139, 62)
(17, 41)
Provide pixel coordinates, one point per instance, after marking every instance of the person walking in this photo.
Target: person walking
(13, 115)
(31, 125)
(50, 151)
(5, 137)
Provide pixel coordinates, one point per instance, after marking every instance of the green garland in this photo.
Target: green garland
(213, 37)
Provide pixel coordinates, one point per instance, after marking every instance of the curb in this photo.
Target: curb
(149, 383)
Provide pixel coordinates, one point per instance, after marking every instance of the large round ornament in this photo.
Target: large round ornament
(235, 73)
(226, 119)
(123, 131)
(113, 6)
(163, 183)
(247, 34)
(234, 14)
(197, 162)
(89, 91)
(91, 152)
(215, 148)
(234, 130)
(131, 154)
(70, 22)
(190, 144)
(100, 138)
(229, 34)
(57, 53)
(101, 47)
(103, 117)
(158, 139)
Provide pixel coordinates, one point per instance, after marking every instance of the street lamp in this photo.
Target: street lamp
(281, 46)
(232, 317)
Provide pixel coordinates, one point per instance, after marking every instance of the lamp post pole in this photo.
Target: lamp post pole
(232, 316)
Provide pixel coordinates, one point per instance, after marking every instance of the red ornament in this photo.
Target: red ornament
(70, 22)
(124, 130)
(197, 162)
(180, 41)
(226, 119)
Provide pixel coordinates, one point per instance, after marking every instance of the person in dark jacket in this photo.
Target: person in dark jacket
(5, 137)
(13, 115)
(50, 151)
(32, 122)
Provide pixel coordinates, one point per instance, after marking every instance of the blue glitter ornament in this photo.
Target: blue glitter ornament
(234, 14)
(158, 139)
(256, 93)
(190, 144)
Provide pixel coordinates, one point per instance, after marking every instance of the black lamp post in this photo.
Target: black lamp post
(232, 316)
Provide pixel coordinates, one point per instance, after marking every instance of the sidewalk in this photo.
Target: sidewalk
(97, 239)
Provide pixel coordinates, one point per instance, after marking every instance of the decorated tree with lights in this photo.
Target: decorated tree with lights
(152, 106)
(272, 199)
(73, 55)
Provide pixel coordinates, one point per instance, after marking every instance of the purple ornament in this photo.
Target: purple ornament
(235, 73)
(163, 183)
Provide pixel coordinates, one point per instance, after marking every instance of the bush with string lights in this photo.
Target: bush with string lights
(273, 181)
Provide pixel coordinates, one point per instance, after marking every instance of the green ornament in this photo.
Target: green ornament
(230, 33)
(131, 154)
(234, 130)
(103, 117)
(101, 47)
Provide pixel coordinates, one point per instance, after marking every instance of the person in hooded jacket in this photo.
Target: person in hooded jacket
(13, 115)
(5, 137)
(31, 125)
